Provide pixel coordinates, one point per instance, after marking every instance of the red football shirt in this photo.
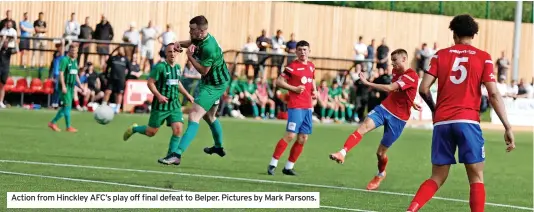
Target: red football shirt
(400, 102)
(296, 74)
(460, 71)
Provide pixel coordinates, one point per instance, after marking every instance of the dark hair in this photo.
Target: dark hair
(41, 13)
(399, 51)
(73, 14)
(199, 20)
(303, 43)
(25, 13)
(464, 26)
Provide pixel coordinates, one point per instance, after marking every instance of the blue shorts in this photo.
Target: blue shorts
(299, 121)
(393, 126)
(466, 136)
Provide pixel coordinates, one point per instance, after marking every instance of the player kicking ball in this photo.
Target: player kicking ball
(299, 79)
(460, 70)
(165, 85)
(393, 113)
(68, 79)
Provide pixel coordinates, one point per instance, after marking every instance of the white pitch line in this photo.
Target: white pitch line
(138, 186)
(254, 180)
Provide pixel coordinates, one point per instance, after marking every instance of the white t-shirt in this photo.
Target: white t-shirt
(278, 44)
(513, 90)
(190, 72)
(168, 37)
(133, 36)
(503, 88)
(360, 49)
(12, 43)
(530, 91)
(149, 34)
(250, 47)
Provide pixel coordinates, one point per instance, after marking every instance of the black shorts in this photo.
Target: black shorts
(116, 85)
(382, 65)
(102, 49)
(4, 73)
(24, 44)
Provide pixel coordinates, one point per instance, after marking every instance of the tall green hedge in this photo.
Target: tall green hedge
(498, 10)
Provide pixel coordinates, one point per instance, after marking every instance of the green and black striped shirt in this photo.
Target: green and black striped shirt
(209, 54)
(167, 80)
(69, 67)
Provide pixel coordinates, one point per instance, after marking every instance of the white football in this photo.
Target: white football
(104, 114)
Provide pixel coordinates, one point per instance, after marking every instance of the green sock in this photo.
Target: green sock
(216, 132)
(349, 111)
(343, 115)
(173, 144)
(60, 113)
(187, 138)
(323, 111)
(271, 112)
(67, 116)
(262, 112)
(336, 115)
(330, 112)
(140, 129)
(254, 109)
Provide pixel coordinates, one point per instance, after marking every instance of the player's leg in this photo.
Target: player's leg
(374, 119)
(443, 151)
(471, 154)
(118, 90)
(67, 109)
(155, 120)
(107, 91)
(3, 80)
(342, 110)
(305, 129)
(216, 132)
(60, 113)
(294, 122)
(175, 121)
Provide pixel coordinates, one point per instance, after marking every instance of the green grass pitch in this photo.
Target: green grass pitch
(100, 161)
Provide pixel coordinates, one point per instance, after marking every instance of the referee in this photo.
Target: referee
(117, 69)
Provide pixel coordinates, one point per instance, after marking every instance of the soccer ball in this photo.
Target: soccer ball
(104, 114)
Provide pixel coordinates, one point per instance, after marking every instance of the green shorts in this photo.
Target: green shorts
(157, 117)
(209, 95)
(66, 98)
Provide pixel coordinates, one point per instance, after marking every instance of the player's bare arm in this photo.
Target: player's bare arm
(151, 83)
(185, 93)
(387, 88)
(498, 105)
(424, 91)
(203, 70)
(282, 83)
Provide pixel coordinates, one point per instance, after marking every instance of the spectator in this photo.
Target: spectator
(265, 97)
(530, 89)
(5, 59)
(377, 96)
(39, 26)
(347, 108)
(423, 56)
(278, 48)
(291, 48)
(72, 30)
(362, 98)
(103, 32)
(166, 37)
(190, 80)
(131, 36)
(334, 96)
(502, 64)
(53, 73)
(370, 55)
(382, 55)
(8, 18)
(85, 92)
(360, 50)
(249, 89)
(502, 87)
(250, 59)
(136, 72)
(324, 103)
(86, 33)
(263, 42)
(10, 34)
(235, 94)
(26, 31)
(93, 83)
(512, 89)
(523, 89)
(148, 35)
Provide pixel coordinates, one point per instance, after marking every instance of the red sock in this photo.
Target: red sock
(85, 102)
(295, 152)
(426, 192)
(477, 197)
(76, 103)
(280, 148)
(382, 162)
(352, 141)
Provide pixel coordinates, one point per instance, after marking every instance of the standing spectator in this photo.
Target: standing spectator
(166, 37)
(250, 59)
(10, 33)
(382, 55)
(26, 31)
(190, 80)
(263, 42)
(423, 57)
(5, 59)
(8, 18)
(362, 97)
(72, 30)
(103, 32)
(278, 48)
(291, 48)
(86, 32)
(370, 55)
(131, 36)
(148, 34)
(502, 64)
(39, 26)
(360, 50)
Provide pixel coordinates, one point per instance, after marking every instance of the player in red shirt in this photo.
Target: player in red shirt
(460, 70)
(299, 79)
(393, 113)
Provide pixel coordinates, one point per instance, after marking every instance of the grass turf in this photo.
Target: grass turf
(249, 144)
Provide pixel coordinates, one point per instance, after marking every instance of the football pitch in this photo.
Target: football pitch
(34, 158)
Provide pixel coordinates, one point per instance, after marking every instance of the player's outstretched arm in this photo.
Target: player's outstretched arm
(424, 91)
(498, 105)
(387, 88)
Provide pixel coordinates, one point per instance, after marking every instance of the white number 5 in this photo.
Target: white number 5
(457, 67)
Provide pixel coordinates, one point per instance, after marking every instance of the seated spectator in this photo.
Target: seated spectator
(93, 83)
(512, 89)
(345, 102)
(523, 89)
(264, 95)
(502, 87)
(334, 95)
(249, 89)
(136, 72)
(231, 100)
(323, 100)
(85, 93)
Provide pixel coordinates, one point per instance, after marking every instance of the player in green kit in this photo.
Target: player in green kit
(68, 79)
(206, 56)
(164, 83)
